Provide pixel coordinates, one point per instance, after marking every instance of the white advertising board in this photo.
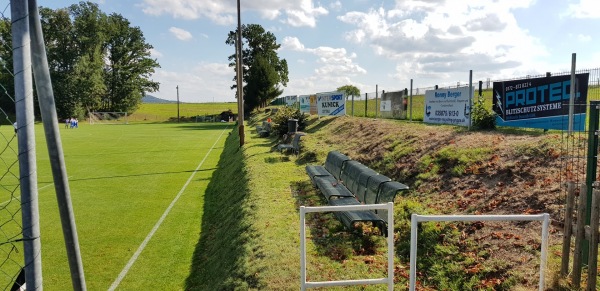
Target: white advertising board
(385, 106)
(290, 100)
(331, 104)
(304, 103)
(448, 106)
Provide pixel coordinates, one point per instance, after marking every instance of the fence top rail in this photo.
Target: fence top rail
(307, 209)
(489, 217)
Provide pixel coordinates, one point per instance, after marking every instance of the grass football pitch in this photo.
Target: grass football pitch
(137, 192)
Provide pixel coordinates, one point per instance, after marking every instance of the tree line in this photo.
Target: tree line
(97, 62)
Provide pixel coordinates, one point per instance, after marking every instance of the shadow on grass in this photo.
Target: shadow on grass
(330, 237)
(206, 125)
(222, 258)
(314, 125)
(137, 175)
(273, 160)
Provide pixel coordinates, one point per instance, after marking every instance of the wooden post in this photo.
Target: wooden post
(593, 255)
(568, 229)
(579, 236)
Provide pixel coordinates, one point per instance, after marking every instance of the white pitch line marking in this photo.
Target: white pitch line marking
(137, 253)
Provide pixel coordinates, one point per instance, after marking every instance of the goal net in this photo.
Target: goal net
(108, 117)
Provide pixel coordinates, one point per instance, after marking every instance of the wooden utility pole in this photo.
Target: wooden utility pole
(240, 76)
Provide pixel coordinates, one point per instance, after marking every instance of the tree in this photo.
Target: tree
(7, 89)
(263, 71)
(129, 66)
(62, 55)
(89, 38)
(260, 83)
(97, 62)
(349, 90)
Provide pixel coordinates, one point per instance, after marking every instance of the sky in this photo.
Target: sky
(365, 43)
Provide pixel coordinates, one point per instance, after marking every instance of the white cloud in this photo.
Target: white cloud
(292, 12)
(584, 38)
(335, 67)
(206, 82)
(180, 34)
(155, 53)
(291, 43)
(435, 39)
(220, 12)
(584, 9)
(336, 5)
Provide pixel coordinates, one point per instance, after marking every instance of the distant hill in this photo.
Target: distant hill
(152, 99)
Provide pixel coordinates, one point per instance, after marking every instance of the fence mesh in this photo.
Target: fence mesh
(369, 104)
(11, 231)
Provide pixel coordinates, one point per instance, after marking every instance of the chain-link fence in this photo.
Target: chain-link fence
(11, 230)
(370, 104)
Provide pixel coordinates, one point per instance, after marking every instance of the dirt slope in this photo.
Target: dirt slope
(455, 171)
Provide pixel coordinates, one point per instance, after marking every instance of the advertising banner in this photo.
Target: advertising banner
(304, 104)
(385, 106)
(448, 106)
(331, 103)
(392, 105)
(541, 102)
(291, 100)
(313, 105)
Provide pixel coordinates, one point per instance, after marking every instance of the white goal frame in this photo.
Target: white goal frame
(415, 219)
(100, 117)
(389, 280)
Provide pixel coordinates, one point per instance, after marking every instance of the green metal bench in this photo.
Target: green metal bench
(333, 166)
(294, 145)
(264, 130)
(347, 182)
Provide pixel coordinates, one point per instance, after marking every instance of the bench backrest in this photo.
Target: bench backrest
(296, 141)
(373, 187)
(359, 187)
(351, 173)
(362, 185)
(334, 163)
(387, 193)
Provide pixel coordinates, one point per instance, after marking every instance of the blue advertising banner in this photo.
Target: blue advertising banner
(304, 103)
(541, 102)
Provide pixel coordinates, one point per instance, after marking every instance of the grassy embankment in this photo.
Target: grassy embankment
(264, 219)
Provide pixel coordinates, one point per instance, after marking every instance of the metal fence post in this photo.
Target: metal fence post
(26, 139)
(366, 103)
(54, 144)
(580, 240)
(591, 167)
(593, 257)
(568, 229)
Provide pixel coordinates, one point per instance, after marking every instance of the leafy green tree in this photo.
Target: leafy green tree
(7, 92)
(62, 55)
(349, 90)
(89, 36)
(97, 62)
(129, 66)
(263, 72)
(260, 83)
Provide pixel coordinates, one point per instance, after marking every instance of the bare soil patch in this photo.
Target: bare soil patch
(520, 173)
